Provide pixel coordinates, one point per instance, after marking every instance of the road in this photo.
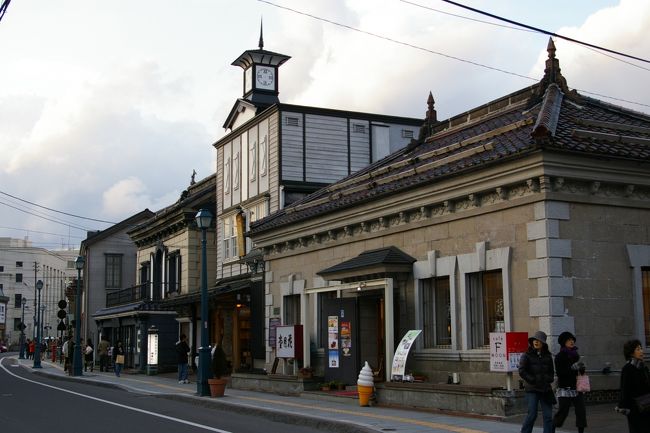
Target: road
(33, 403)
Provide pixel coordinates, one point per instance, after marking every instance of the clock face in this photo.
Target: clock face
(265, 78)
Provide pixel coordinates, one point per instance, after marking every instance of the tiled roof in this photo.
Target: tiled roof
(382, 256)
(546, 116)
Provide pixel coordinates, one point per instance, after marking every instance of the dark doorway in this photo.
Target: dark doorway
(341, 326)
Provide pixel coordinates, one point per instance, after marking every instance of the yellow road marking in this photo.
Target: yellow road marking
(430, 424)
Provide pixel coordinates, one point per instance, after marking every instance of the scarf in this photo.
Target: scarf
(572, 353)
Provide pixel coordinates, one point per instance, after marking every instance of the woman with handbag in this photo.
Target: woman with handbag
(567, 368)
(118, 358)
(635, 384)
(536, 369)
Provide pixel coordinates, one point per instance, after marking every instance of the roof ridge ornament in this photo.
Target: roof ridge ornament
(261, 42)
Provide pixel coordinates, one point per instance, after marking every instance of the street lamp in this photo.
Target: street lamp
(37, 343)
(76, 360)
(203, 221)
(22, 331)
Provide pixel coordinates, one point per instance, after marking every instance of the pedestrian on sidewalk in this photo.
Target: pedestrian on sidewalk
(89, 356)
(66, 354)
(567, 367)
(30, 349)
(635, 382)
(536, 369)
(182, 350)
(118, 358)
(102, 351)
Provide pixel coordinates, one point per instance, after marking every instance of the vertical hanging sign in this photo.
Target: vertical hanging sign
(346, 339)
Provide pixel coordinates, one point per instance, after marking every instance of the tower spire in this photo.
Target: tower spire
(261, 42)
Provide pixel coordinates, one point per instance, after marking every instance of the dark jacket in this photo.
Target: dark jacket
(182, 348)
(635, 381)
(566, 373)
(536, 369)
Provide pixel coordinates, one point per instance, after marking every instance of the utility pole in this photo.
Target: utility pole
(35, 312)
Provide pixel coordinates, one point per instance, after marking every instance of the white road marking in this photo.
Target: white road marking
(178, 420)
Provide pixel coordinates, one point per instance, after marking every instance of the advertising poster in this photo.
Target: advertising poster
(285, 342)
(505, 350)
(333, 341)
(402, 353)
(274, 322)
(346, 339)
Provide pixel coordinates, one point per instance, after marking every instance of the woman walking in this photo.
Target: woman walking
(118, 358)
(635, 382)
(536, 369)
(567, 367)
(89, 356)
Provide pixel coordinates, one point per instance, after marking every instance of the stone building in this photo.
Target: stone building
(529, 212)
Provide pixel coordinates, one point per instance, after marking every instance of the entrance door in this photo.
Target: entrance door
(340, 322)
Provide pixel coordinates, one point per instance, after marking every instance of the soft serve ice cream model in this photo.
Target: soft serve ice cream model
(365, 385)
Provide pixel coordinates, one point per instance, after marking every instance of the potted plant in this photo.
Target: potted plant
(325, 386)
(219, 369)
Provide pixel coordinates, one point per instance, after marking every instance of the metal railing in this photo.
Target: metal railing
(140, 292)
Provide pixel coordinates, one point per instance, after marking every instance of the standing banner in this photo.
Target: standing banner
(402, 352)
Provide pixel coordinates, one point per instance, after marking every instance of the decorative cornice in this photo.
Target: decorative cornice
(588, 190)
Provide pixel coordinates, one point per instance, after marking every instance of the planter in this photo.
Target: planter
(217, 387)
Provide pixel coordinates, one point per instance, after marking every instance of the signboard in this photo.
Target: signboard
(505, 350)
(289, 341)
(333, 341)
(274, 322)
(402, 352)
(3, 314)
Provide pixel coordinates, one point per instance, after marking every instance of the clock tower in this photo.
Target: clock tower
(261, 74)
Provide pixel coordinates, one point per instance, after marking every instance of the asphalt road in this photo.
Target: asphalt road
(32, 403)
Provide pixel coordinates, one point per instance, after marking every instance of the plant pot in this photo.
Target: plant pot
(217, 387)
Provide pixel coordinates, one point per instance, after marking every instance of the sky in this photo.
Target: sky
(106, 107)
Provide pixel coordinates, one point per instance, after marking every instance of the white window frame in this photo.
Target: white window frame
(639, 256)
(434, 267)
(479, 261)
(228, 237)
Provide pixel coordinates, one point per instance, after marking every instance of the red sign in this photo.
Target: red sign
(505, 350)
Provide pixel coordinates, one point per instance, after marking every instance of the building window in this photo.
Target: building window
(407, 133)
(17, 323)
(358, 128)
(174, 272)
(645, 287)
(292, 121)
(113, 278)
(486, 312)
(291, 306)
(436, 300)
(2, 268)
(19, 264)
(18, 299)
(19, 278)
(229, 238)
(70, 264)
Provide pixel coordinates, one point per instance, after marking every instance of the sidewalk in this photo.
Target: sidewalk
(341, 414)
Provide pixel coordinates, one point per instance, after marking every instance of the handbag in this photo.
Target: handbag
(582, 383)
(643, 403)
(119, 359)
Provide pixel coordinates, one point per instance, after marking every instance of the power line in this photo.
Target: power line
(517, 29)
(42, 233)
(3, 8)
(57, 211)
(546, 32)
(436, 52)
(45, 218)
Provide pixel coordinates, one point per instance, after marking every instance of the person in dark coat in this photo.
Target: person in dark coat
(567, 368)
(635, 382)
(182, 349)
(536, 369)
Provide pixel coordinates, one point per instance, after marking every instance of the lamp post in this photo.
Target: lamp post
(203, 221)
(22, 331)
(37, 343)
(77, 365)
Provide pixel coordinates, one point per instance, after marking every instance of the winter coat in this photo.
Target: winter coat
(635, 381)
(565, 370)
(536, 369)
(182, 348)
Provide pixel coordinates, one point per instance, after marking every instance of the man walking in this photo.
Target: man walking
(182, 349)
(102, 351)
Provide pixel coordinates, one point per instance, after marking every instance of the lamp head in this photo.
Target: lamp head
(79, 263)
(24, 301)
(39, 285)
(203, 219)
